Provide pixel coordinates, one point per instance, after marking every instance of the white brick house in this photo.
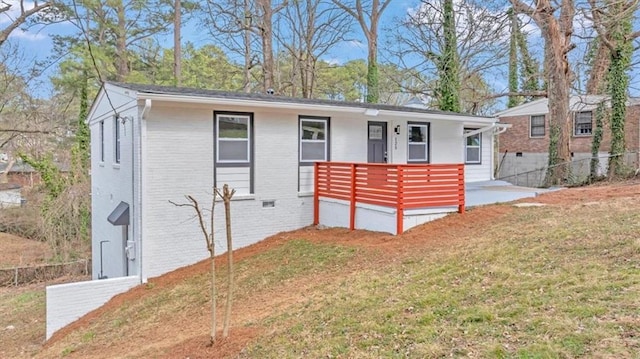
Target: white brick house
(152, 144)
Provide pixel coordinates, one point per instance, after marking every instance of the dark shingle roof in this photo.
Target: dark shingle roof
(184, 91)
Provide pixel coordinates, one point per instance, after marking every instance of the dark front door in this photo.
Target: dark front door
(377, 143)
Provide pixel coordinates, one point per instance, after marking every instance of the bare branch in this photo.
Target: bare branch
(21, 19)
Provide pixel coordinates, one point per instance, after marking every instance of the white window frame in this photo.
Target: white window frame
(575, 124)
(301, 141)
(218, 138)
(425, 144)
(117, 151)
(544, 124)
(101, 126)
(479, 147)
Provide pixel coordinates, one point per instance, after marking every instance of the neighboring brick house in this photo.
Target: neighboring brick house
(523, 149)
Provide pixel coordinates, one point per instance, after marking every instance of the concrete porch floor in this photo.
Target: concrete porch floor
(490, 192)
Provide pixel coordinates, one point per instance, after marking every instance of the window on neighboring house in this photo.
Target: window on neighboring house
(101, 141)
(314, 139)
(418, 142)
(473, 147)
(233, 138)
(117, 140)
(537, 126)
(582, 123)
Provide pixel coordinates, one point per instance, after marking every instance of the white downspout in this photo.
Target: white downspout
(141, 138)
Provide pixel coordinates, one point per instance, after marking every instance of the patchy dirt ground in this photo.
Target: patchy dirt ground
(18, 251)
(431, 235)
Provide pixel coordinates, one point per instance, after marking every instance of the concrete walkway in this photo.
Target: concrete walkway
(490, 192)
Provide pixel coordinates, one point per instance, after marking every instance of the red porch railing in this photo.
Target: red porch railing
(401, 187)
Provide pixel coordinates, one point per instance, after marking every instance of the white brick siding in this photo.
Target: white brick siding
(68, 302)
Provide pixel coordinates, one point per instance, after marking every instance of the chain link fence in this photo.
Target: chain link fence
(579, 171)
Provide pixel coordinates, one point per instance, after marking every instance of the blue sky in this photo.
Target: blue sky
(35, 43)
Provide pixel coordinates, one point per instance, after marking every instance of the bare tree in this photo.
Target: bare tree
(226, 195)
(112, 29)
(368, 18)
(207, 234)
(481, 45)
(556, 26)
(238, 20)
(309, 30)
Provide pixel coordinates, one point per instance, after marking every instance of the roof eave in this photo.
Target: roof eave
(275, 104)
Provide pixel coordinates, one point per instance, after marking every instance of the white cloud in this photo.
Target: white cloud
(14, 10)
(357, 44)
(334, 61)
(27, 35)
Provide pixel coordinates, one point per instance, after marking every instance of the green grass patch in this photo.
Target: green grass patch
(546, 283)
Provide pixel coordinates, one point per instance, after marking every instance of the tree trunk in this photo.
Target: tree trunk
(448, 90)
(212, 258)
(514, 100)
(122, 63)
(619, 83)
(557, 43)
(247, 47)
(226, 196)
(560, 120)
(177, 52)
(596, 84)
(266, 33)
(373, 86)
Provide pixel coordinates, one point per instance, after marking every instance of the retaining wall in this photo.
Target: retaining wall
(68, 302)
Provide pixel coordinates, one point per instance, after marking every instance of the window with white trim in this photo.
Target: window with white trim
(233, 138)
(314, 139)
(582, 123)
(116, 145)
(473, 148)
(536, 128)
(101, 141)
(418, 142)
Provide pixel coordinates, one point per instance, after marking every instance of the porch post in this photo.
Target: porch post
(400, 202)
(461, 198)
(316, 197)
(352, 204)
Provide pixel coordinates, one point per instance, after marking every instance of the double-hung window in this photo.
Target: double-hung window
(473, 148)
(314, 139)
(418, 142)
(582, 124)
(116, 145)
(536, 126)
(233, 142)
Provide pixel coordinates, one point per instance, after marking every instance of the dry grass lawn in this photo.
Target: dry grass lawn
(559, 281)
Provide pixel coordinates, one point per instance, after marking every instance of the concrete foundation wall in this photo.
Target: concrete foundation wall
(335, 213)
(66, 303)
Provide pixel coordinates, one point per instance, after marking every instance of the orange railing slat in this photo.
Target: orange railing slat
(407, 186)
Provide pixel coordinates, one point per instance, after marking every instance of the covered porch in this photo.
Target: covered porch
(393, 198)
(386, 197)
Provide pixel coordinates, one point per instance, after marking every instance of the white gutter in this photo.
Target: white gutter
(499, 127)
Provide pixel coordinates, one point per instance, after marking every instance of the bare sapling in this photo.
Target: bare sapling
(208, 236)
(226, 198)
